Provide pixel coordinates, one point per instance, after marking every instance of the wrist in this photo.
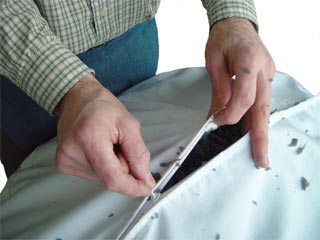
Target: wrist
(81, 89)
(232, 21)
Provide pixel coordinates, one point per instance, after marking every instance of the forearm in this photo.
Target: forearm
(33, 58)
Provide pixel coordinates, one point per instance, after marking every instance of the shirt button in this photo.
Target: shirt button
(102, 12)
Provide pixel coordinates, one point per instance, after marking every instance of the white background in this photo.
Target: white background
(289, 28)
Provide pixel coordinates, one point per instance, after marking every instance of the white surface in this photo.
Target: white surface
(40, 202)
(3, 178)
(289, 28)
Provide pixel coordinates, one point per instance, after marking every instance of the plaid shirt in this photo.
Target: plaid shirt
(39, 38)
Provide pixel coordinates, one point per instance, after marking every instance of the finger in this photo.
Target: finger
(221, 85)
(243, 96)
(137, 189)
(123, 162)
(245, 125)
(136, 153)
(111, 172)
(259, 119)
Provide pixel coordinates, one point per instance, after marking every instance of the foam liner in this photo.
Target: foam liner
(227, 198)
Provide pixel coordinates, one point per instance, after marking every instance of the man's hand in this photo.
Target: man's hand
(92, 126)
(235, 49)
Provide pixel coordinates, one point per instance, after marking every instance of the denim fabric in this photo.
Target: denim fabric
(118, 65)
(126, 60)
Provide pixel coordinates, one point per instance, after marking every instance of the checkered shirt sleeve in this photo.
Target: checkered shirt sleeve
(39, 39)
(33, 58)
(220, 9)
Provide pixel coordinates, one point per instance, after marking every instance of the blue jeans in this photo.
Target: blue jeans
(118, 65)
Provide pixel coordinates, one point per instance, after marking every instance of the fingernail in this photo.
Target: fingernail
(147, 191)
(150, 180)
(144, 191)
(264, 162)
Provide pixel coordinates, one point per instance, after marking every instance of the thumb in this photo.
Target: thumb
(221, 88)
(136, 153)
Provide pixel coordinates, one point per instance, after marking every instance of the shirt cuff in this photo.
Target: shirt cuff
(49, 72)
(221, 9)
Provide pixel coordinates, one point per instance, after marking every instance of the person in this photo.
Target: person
(74, 58)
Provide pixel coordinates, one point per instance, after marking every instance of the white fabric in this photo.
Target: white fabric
(236, 201)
